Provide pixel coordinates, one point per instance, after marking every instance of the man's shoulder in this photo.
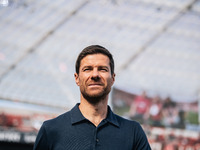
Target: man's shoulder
(126, 121)
(58, 120)
(130, 127)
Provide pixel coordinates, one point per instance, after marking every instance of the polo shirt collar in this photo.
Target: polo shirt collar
(76, 116)
(111, 117)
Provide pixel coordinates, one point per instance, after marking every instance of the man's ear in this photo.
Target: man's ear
(113, 77)
(76, 78)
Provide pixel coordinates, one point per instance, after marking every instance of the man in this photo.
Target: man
(91, 125)
(139, 109)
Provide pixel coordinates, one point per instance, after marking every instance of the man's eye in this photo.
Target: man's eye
(86, 69)
(104, 69)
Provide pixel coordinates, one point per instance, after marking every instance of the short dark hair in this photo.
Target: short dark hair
(94, 49)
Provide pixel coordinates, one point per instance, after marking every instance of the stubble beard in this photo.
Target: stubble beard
(96, 98)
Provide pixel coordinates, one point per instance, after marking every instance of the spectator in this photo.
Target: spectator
(155, 112)
(139, 109)
(170, 113)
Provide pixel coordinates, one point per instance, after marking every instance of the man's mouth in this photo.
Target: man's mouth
(95, 84)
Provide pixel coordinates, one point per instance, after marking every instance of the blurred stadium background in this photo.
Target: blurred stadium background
(155, 43)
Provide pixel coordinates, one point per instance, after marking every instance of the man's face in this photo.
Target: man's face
(94, 78)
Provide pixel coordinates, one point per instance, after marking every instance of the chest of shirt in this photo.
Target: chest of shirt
(86, 136)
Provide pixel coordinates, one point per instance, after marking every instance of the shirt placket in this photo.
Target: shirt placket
(96, 137)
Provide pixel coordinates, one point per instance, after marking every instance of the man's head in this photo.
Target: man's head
(94, 49)
(94, 73)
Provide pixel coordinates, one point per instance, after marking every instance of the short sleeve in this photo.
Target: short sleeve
(41, 139)
(141, 141)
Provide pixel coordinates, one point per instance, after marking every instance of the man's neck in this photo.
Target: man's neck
(94, 112)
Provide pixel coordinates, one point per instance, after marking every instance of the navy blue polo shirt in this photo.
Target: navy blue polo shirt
(72, 131)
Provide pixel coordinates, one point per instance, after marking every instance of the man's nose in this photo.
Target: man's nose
(95, 74)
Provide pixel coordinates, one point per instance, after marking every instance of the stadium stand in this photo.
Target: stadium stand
(39, 45)
(155, 44)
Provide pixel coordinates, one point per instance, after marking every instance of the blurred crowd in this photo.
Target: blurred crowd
(157, 112)
(23, 123)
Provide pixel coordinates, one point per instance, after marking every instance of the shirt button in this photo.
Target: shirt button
(97, 140)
